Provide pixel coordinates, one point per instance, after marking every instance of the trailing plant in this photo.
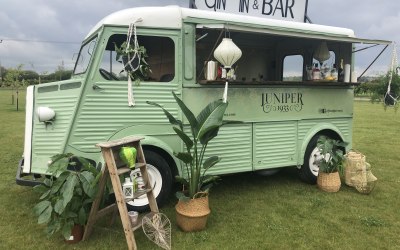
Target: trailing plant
(67, 194)
(203, 129)
(126, 52)
(332, 156)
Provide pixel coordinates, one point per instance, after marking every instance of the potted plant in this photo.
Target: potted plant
(66, 196)
(134, 60)
(192, 209)
(330, 163)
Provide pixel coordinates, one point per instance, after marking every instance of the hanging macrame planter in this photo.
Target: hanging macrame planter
(390, 98)
(133, 58)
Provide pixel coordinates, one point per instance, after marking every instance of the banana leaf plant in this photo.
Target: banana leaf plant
(203, 129)
(66, 196)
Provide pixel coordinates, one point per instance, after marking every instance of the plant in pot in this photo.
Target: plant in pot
(193, 209)
(330, 163)
(66, 196)
(134, 60)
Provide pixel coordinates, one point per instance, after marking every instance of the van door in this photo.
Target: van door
(104, 108)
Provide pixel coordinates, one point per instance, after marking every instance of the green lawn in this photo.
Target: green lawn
(248, 211)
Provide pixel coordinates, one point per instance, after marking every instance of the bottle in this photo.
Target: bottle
(316, 74)
(334, 73)
(341, 72)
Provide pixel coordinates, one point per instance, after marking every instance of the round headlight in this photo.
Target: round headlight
(45, 114)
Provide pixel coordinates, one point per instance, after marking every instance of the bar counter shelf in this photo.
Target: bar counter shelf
(281, 83)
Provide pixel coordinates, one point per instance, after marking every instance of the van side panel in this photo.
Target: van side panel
(50, 139)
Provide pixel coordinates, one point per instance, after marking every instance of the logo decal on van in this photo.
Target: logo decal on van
(282, 102)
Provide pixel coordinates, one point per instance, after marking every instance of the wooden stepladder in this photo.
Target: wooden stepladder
(114, 168)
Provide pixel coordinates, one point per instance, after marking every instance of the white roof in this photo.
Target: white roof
(171, 17)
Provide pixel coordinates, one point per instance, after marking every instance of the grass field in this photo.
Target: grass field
(248, 211)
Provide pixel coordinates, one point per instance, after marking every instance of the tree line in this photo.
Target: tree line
(18, 77)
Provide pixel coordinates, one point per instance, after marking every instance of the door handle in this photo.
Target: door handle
(97, 87)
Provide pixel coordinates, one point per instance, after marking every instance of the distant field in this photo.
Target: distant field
(248, 211)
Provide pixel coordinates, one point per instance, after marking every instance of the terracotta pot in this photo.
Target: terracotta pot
(76, 234)
(192, 215)
(329, 182)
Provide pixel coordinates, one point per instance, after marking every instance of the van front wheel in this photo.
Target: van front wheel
(160, 180)
(309, 170)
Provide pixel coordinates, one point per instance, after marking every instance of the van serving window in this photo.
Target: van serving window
(161, 58)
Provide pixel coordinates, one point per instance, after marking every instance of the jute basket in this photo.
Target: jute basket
(355, 161)
(364, 181)
(329, 182)
(192, 215)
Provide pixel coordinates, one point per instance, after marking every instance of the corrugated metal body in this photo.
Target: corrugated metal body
(105, 112)
(233, 145)
(50, 139)
(344, 125)
(275, 144)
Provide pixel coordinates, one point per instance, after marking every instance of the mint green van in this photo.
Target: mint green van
(281, 111)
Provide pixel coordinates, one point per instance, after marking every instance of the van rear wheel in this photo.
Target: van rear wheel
(309, 170)
(160, 180)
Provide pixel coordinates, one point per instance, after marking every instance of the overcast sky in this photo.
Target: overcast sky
(43, 34)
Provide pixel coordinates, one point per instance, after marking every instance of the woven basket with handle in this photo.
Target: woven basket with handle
(192, 215)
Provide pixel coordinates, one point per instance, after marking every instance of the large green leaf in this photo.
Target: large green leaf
(210, 162)
(185, 157)
(68, 191)
(170, 117)
(82, 216)
(188, 114)
(59, 206)
(45, 194)
(86, 179)
(59, 182)
(185, 138)
(211, 118)
(43, 210)
(211, 134)
(40, 207)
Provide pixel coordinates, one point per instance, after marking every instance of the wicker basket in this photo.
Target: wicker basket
(329, 182)
(192, 215)
(355, 161)
(364, 181)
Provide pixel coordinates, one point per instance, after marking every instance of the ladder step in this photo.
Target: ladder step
(124, 170)
(137, 194)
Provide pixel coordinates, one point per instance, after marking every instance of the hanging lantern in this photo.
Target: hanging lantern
(322, 54)
(128, 189)
(227, 53)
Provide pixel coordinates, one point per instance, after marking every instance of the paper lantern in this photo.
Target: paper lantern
(227, 53)
(322, 54)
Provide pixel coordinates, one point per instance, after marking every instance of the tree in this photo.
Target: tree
(14, 79)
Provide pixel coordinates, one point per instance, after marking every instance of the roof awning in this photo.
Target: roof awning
(290, 32)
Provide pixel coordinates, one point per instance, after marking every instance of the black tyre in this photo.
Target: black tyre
(160, 178)
(309, 170)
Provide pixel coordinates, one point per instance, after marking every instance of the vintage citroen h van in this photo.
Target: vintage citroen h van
(281, 117)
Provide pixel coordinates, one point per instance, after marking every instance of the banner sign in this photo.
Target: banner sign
(291, 10)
